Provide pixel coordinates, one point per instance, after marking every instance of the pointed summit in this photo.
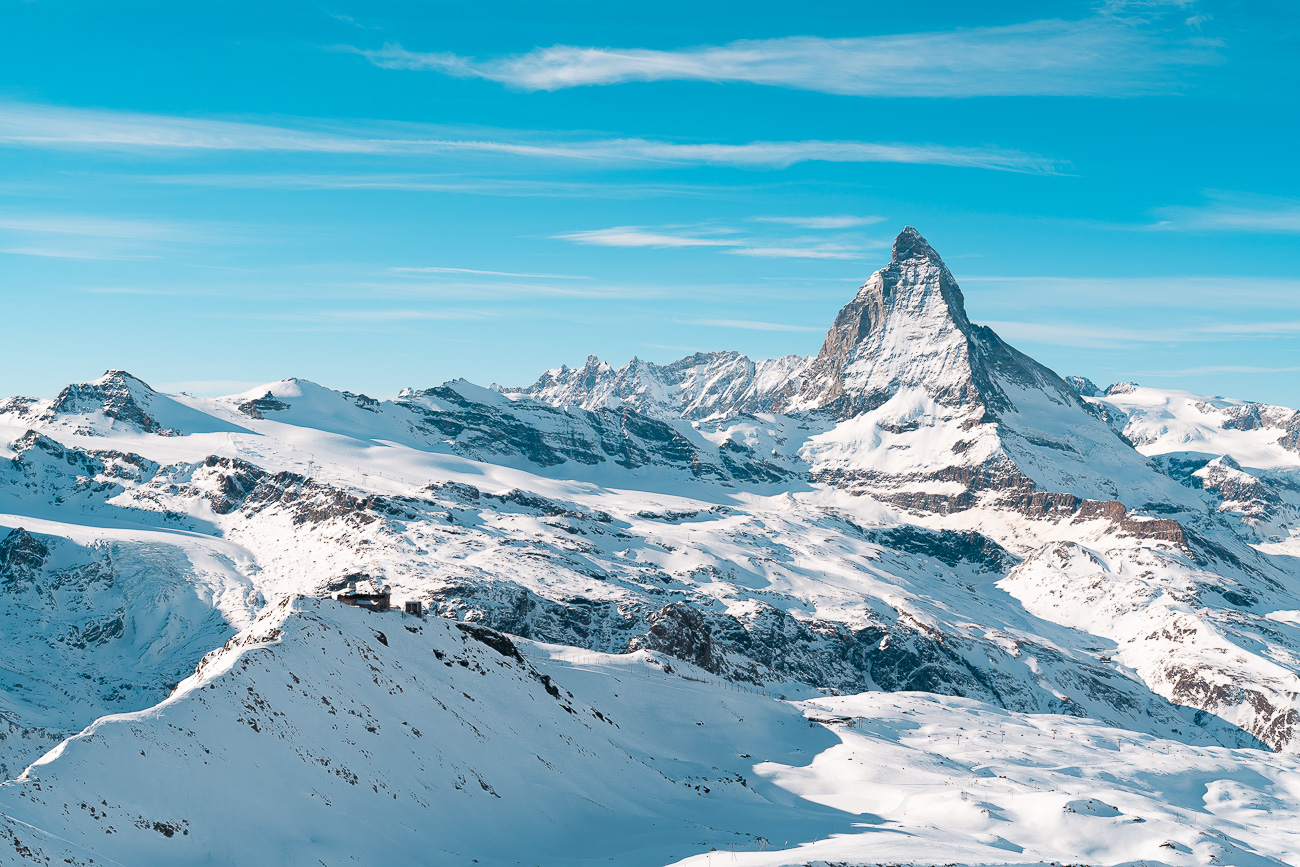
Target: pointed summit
(117, 395)
(906, 329)
(910, 244)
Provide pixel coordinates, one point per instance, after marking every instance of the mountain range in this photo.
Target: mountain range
(850, 608)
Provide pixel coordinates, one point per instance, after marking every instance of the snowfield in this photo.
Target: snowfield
(913, 600)
(327, 734)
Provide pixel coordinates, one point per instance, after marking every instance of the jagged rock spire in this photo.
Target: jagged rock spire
(907, 327)
(911, 244)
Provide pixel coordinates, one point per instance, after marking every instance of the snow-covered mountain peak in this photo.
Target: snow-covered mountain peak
(910, 244)
(905, 330)
(932, 409)
(122, 379)
(117, 394)
(706, 385)
(116, 402)
(1083, 386)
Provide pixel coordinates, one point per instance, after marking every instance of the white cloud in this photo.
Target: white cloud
(92, 227)
(348, 19)
(1095, 337)
(638, 236)
(28, 125)
(70, 253)
(1203, 294)
(1220, 368)
(813, 251)
(1233, 212)
(448, 183)
(401, 315)
(838, 222)
(1100, 56)
(752, 325)
(735, 244)
(430, 269)
(1107, 336)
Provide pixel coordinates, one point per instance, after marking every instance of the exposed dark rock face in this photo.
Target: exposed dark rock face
(21, 557)
(1290, 439)
(898, 654)
(1083, 386)
(680, 631)
(1244, 417)
(19, 406)
(495, 640)
(549, 436)
(114, 395)
(230, 484)
(258, 407)
(950, 547)
(1246, 493)
(1000, 483)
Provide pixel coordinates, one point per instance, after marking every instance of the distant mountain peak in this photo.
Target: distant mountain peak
(118, 395)
(704, 385)
(114, 376)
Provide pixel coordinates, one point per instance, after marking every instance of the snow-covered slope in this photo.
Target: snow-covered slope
(100, 621)
(329, 735)
(919, 510)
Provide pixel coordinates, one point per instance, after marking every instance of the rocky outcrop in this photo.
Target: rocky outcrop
(1239, 490)
(21, 557)
(1083, 386)
(258, 407)
(680, 631)
(117, 394)
(549, 436)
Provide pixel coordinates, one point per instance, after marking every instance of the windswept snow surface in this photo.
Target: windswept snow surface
(329, 735)
(914, 600)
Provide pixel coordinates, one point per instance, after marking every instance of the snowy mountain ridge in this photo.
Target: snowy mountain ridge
(919, 511)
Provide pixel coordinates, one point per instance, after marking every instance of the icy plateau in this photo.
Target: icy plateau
(914, 600)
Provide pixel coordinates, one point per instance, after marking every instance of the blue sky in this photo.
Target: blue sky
(379, 195)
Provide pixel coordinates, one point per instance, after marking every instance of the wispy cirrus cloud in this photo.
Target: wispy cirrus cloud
(751, 325)
(1106, 336)
(433, 269)
(807, 251)
(27, 125)
(727, 239)
(1202, 293)
(348, 19)
(71, 252)
(1234, 212)
(1219, 368)
(843, 221)
(1100, 56)
(93, 227)
(63, 236)
(640, 236)
(437, 183)
(1089, 336)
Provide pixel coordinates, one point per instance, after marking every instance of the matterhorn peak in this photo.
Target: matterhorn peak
(911, 244)
(906, 328)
